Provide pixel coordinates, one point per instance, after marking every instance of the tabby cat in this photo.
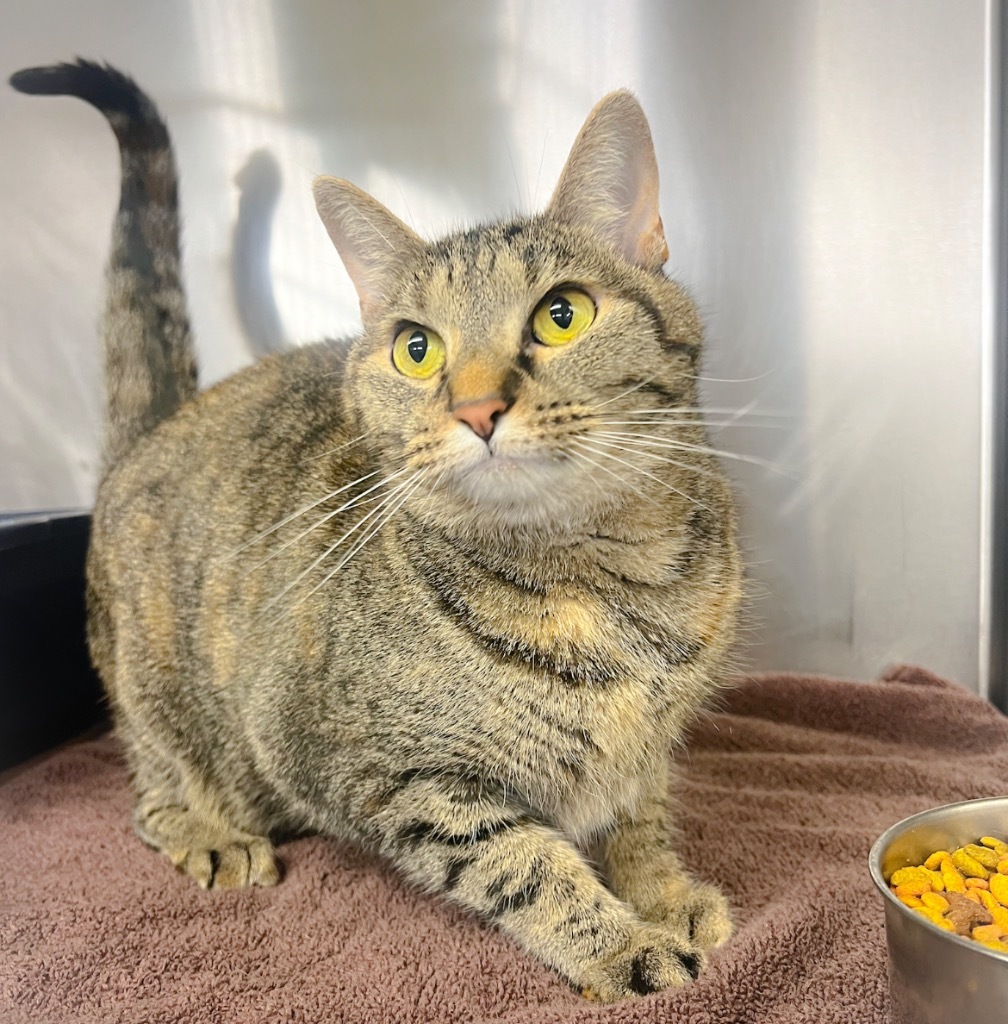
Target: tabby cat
(451, 589)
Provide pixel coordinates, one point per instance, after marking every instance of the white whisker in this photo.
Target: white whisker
(329, 550)
(371, 532)
(664, 442)
(340, 447)
(619, 445)
(643, 472)
(622, 394)
(352, 503)
(299, 512)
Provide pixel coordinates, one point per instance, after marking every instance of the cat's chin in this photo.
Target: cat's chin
(523, 489)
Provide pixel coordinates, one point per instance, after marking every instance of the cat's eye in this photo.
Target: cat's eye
(562, 316)
(418, 352)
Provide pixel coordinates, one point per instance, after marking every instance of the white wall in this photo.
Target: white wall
(822, 171)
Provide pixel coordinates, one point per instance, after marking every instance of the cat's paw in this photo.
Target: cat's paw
(216, 859)
(653, 961)
(696, 911)
(228, 862)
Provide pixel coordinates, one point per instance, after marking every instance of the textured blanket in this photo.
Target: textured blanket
(784, 790)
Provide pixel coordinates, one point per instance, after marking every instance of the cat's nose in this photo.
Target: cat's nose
(480, 416)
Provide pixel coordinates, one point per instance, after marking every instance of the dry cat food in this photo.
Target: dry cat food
(965, 891)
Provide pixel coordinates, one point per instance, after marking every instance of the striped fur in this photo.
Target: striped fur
(486, 688)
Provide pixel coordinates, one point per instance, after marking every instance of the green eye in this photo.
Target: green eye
(562, 316)
(418, 352)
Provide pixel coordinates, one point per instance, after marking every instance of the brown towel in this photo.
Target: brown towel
(785, 789)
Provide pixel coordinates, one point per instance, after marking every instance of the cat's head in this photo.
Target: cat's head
(501, 360)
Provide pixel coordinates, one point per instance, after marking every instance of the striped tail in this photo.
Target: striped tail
(150, 365)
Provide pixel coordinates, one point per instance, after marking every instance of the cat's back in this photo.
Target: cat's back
(249, 444)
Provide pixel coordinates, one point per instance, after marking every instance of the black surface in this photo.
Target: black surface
(48, 690)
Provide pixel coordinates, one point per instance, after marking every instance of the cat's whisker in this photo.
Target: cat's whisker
(294, 515)
(643, 472)
(664, 442)
(369, 534)
(605, 469)
(622, 394)
(734, 380)
(340, 447)
(329, 550)
(709, 424)
(599, 439)
(685, 410)
(352, 503)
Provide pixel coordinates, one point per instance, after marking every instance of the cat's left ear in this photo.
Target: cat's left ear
(610, 182)
(371, 240)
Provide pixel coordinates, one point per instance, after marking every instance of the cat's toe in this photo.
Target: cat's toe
(654, 961)
(699, 913)
(229, 863)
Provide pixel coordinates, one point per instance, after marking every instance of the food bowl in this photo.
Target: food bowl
(935, 976)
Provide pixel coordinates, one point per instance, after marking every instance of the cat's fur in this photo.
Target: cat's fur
(493, 681)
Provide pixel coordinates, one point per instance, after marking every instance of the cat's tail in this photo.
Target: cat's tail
(150, 365)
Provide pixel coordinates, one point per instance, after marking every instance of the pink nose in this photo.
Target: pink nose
(479, 416)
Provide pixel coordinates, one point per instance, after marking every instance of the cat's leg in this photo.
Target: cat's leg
(476, 849)
(180, 817)
(643, 869)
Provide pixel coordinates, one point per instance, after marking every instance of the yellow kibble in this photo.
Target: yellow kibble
(1003, 866)
(988, 858)
(935, 917)
(953, 880)
(934, 901)
(1001, 947)
(999, 888)
(968, 865)
(933, 863)
(913, 902)
(986, 933)
(901, 876)
(1000, 848)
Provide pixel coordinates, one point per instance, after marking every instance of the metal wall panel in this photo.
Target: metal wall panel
(824, 167)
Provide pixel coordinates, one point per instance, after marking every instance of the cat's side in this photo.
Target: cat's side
(451, 589)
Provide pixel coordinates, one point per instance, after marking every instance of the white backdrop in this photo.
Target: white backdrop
(823, 175)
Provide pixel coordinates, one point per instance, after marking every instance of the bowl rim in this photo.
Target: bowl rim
(875, 868)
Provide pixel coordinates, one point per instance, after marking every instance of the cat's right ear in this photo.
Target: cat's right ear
(372, 242)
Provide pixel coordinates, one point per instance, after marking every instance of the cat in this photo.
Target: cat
(450, 590)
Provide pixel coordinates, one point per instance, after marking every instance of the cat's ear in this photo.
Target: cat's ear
(372, 242)
(610, 182)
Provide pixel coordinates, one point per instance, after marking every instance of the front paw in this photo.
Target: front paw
(654, 960)
(696, 911)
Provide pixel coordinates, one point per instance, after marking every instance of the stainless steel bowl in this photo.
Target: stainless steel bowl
(936, 977)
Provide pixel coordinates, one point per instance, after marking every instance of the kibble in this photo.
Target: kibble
(963, 891)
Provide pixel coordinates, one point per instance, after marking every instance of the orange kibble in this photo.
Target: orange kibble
(974, 895)
(977, 883)
(1003, 866)
(999, 888)
(986, 932)
(914, 888)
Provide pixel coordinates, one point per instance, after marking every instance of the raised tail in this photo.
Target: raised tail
(150, 365)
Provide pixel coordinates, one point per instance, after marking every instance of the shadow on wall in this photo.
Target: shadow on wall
(259, 183)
